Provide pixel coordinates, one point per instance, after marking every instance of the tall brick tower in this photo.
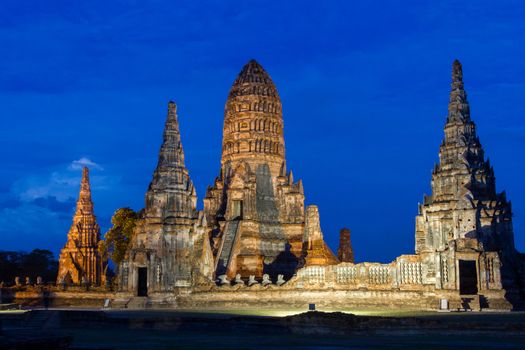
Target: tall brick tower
(79, 259)
(464, 229)
(160, 253)
(255, 208)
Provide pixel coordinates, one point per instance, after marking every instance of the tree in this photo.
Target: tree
(39, 262)
(10, 265)
(118, 237)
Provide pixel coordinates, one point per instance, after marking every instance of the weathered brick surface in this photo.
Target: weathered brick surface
(80, 260)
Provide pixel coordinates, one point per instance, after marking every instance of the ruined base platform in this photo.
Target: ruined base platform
(269, 298)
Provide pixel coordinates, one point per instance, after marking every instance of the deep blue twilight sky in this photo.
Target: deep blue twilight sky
(364, 90)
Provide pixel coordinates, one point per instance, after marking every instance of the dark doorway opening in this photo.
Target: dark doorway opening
(143, 282)
(468, 277)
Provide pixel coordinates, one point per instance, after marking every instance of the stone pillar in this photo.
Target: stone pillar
(315, 250)
(345, 253)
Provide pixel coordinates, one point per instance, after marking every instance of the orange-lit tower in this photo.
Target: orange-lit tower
(255, 208)
(80, 260)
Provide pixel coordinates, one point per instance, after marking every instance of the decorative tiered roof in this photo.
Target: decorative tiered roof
(253, 123)
(464, 203)
(79, 259)
(171, 192)
(253, 80)
(461, 154)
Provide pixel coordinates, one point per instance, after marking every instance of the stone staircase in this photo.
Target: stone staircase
(230, 232)
(480, 302)
(465, 303)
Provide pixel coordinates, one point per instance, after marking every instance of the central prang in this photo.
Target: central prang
(255, 208)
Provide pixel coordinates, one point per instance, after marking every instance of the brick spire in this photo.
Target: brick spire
(171, 191)
(464, 198)
(79, 259)
(84, 220)
(458, 107)
(461, 154)
(84, 202)
(171, 152)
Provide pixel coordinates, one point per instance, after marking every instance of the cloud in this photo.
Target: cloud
(9, 201)
(82, 162)
(59, 186)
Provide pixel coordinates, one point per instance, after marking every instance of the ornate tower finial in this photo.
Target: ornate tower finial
(457, 72)
(461, 149)
(171, 152)
(171, 192)
(458, 107)
(84, 183)
(84, 202)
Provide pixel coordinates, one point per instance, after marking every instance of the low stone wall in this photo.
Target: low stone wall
(271, 297)
(291, 295)
(76, 297)
(403, 274)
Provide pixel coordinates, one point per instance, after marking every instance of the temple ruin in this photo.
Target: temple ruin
(255, 208)
(161, 255)
(255, 243)
(345, 253)
(80, 260)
